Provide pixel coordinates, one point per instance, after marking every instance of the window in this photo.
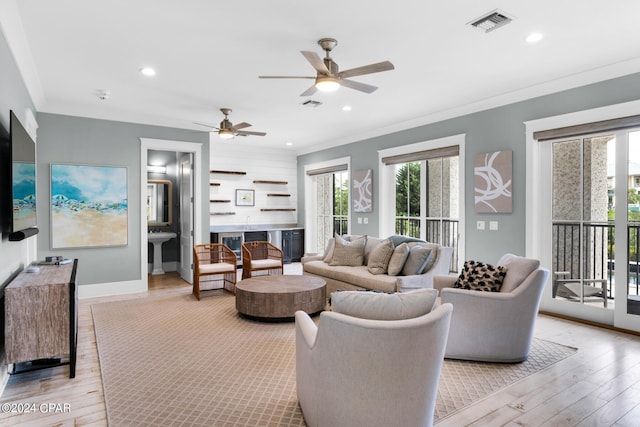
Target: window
(327, 206)
(425, 193)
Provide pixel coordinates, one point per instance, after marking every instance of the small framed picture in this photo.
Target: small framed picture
(245, 197)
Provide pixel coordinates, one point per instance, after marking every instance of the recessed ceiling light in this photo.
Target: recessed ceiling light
(346, 108)
(289, 144)
(534, 37)
(147, 71)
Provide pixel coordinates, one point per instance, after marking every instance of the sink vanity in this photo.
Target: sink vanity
(159, 216)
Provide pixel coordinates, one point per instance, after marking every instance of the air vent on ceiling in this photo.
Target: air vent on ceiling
(311, 103)
(491, 21)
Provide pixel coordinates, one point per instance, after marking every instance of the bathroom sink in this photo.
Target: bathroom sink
(161, 236)
(158, 239)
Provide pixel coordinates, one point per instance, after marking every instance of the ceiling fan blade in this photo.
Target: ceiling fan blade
(286, 77)
(316, 62)
(358, 86)
(313, 89)
(246, 132)
(366, 69)
(205, 124)
(241, 125)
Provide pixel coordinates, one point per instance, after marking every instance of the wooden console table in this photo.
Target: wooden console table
(41, 318)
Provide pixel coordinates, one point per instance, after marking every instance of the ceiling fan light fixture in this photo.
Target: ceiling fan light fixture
(225, 134)
(327, 84)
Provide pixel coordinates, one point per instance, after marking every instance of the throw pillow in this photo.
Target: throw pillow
(519, 269)
(382, 306)
(399, 257)
(418, 258)
(379, 257)
(478, 276)
(347, 253)
(328, 253)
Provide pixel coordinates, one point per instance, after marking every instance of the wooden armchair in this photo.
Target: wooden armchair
(216, 262)
(261, 257)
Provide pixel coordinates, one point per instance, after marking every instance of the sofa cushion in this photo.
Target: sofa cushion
(398, 258)
(478, 276)
(379, 257)
(519, 269)
(382, 306)
(356, 276)
(349, 253)
(417, 260)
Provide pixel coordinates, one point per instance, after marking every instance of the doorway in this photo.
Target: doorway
(193, 153)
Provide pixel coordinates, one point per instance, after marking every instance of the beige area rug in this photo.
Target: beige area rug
(177, 361)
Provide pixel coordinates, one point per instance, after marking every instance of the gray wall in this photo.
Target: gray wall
(13, 96)
(491, 130)
(78, 140)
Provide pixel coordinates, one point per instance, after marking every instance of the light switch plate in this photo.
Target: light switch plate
(480, 225)
(359, 220)
(493, 225)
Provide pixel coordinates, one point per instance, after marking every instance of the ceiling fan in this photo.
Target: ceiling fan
(228, 130)
(328, 77)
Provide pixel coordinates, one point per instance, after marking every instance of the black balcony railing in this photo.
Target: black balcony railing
(598, 253)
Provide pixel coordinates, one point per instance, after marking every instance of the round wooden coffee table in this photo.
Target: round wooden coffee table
(279, 297)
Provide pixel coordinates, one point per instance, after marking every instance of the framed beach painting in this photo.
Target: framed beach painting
(89, 206)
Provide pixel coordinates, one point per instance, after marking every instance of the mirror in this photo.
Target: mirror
(159, 202)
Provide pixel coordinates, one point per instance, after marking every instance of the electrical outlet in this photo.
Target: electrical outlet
(480, 225)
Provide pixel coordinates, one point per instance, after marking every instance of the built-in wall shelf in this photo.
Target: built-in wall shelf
(258, 181)
(279, 210)
(219, 201)
(228, 172)
(278, 195)
(214, 184)
(222, 213)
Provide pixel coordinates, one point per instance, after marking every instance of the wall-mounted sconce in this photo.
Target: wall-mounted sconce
(157, 169)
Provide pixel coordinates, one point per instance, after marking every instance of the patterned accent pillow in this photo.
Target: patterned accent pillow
(478, 276)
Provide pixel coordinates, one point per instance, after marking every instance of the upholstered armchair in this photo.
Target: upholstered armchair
(495, 326)
(261, 258)
(354, 372)
(214, 262)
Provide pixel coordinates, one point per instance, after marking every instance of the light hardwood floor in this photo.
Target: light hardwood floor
(598, 386)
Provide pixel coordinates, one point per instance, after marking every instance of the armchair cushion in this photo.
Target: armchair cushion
(519, 269)
(398, 258)
(348, 253)
(419, 257)
(383, 306)
(479, 276)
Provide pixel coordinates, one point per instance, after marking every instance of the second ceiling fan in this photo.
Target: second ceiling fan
(228, 130)
(329, 78)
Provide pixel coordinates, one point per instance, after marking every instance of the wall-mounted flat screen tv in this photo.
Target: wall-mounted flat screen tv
(22, 181)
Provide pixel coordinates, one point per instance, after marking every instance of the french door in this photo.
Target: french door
(594, 244)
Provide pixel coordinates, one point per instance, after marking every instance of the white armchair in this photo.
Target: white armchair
(495, 326)
(361, 372)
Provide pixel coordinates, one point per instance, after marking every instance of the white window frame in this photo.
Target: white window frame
(387, 185)
(310, 207)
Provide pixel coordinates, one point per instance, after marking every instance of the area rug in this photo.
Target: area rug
(178, 361)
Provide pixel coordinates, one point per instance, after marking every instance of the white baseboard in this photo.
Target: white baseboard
(114, 288)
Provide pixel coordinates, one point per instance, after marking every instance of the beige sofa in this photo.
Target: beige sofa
(342, 277)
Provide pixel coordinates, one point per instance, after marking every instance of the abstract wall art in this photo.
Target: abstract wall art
(89, 206)
(493, 182)
(362, 190)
